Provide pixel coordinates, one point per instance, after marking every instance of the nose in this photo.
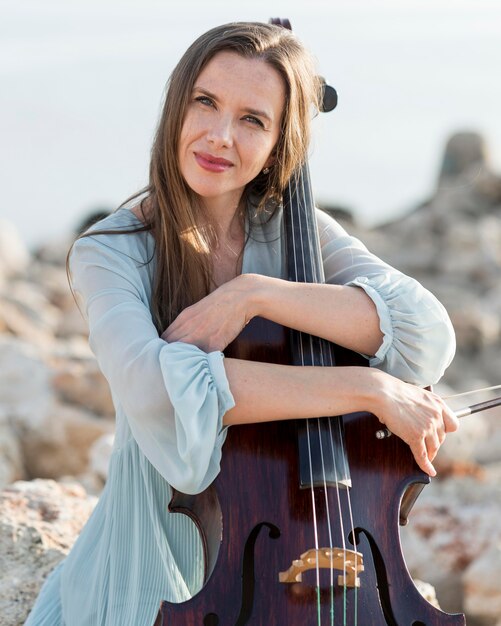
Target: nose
(220, 131)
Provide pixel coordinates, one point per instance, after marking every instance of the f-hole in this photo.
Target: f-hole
(248, 578)
(382, 580)
(354, 537)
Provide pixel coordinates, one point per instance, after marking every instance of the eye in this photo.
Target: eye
(205, 100)
(254, 120)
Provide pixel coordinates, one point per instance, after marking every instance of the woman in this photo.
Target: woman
(168, 283)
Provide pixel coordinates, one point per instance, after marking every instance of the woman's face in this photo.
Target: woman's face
(231, 126)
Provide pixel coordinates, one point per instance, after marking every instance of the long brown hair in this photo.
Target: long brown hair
(171, 209)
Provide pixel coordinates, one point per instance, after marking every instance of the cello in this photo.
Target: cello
(300, 528)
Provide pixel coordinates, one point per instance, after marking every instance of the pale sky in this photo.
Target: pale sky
(82, 85)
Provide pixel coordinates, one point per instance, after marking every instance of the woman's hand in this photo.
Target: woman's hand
(213, 322)
(419, 417)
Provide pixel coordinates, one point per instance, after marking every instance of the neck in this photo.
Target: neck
(226, 222)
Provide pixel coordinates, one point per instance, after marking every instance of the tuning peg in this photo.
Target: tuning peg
(329, 97)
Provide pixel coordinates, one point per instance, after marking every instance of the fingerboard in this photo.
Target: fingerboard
(321, 444)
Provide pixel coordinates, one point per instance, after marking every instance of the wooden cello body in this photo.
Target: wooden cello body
(257, 518)
(267, 521)
(263, 514)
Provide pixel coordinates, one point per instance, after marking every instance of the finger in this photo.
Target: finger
(421, 456)
(178, 334)
(165, 335)
(170, 330)
(170, 335)
(441, 434)
(432, 443)
(179, 328)
(451, 421)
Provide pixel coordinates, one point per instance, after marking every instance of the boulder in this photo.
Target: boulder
(11, 458)
(453, 525)
(39, 522)
(82, 383)
(458, 452)
(27, 312)
(25, 385)
(482, 586)
(99, 455)
(14, 256)
(61, 446)
(465, 151)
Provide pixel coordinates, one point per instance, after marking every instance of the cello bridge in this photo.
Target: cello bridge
(350, 562)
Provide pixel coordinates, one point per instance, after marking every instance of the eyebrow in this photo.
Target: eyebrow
(256, 112)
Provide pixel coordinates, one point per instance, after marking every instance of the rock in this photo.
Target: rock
(25, 389)
(482, 586)
(90, 481)
(27, 313)
(72, 323)
(57, 291)
(428, 592)
(99, 455)
(14, 256)
(11, 459)
(454, 523)
(15, 322)
(460, 447)
(489, 449)
(61, 445)
(54, 252)
(464, 152)
(82, 383)
(39, 522)
(475, 327)
(74, 348)
(424, 563)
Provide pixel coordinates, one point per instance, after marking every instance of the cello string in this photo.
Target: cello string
(352, 525)
(326, 360)
(312, 242)
(301, 349)
(341, 522)
(329, 527)
(350, 511)
(316, 243)
(319, 615)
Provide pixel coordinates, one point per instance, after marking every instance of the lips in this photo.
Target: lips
(211, 163)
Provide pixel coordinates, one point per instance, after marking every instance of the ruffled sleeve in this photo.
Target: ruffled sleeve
(174, 395)
(419, 341)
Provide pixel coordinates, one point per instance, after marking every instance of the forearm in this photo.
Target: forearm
(268, 392)
(344, 315)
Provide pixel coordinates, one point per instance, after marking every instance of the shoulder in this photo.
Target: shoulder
(122, 220)
(117, 235)
(327, 225)
(333, 237)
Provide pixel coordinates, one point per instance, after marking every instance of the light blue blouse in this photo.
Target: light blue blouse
(170, 400)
